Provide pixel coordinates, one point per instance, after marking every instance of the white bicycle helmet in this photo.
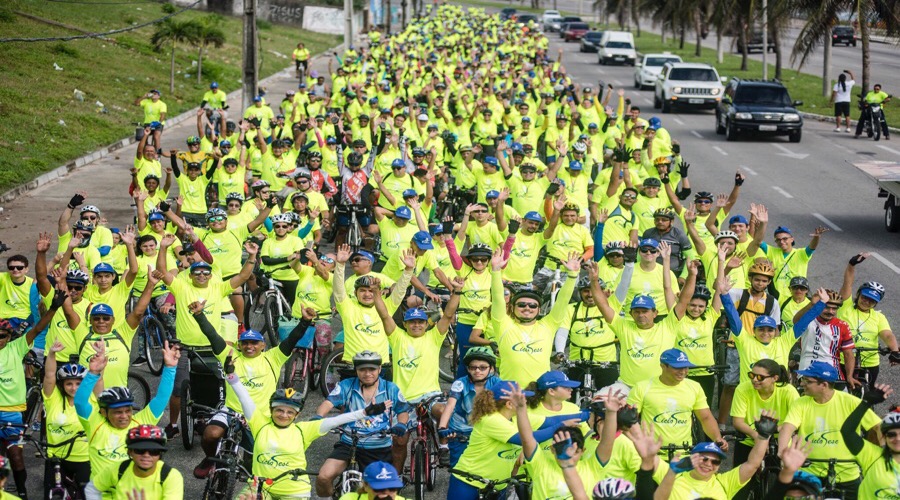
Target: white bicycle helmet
(874, 286)
(890, 421)
(727, 234)
(90, 208)
(614, 488)
(281, 218)
(579, 147)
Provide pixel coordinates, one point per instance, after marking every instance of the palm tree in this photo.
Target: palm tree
(823, 14)
(207, 33)
(173, 32)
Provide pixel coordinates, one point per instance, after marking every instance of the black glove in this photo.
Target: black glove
(856, 259)
(495, 348)
(76, 201)
(375, 409)
(664, 178)
(738, 180)
(874, 396)
(553, 188)
(766, 427)
(676, 148)
(229, 365)
(683, 169)
(645, 144)
(164, 206)
(272, 201)
(447, 229)
(58, 299)
(513, 226)
(630, 254)
(894, 357)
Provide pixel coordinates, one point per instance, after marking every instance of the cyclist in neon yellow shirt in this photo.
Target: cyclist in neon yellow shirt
(144, 475)
(380, 482)
(880, 464)
(15, 290)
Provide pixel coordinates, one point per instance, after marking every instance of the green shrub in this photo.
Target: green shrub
(63, 49)
(263, 24)
(169, 8)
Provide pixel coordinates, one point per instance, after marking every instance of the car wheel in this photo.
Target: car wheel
(656, 102)
(891, 216)
(637, 84)
(795, 136)
(730, 132)
(600, 61)
(719, 128)
(666, 106)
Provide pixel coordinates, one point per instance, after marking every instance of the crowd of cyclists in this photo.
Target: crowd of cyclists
(449, 194)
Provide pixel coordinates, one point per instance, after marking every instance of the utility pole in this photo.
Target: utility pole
(251, 66)
(765, 40)
(826, 67)
(348, 23)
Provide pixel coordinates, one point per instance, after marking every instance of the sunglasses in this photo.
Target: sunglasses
(152, 453)
(216, 219)
(649, 250)
(16, 268)
(317, 160)
(479, 259)
(758, 377)
(201, 273)
(89, 217)
(76, 288)
(888, 434)
(715, 461)
(234, 205)
(478, 368)
(628, 197)
(358, 259)
(281, 226)
(527, 305)
(303, 181)
(327, 260)
(101, 317)
(703, 202)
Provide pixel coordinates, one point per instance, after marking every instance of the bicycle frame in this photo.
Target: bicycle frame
(426, 437)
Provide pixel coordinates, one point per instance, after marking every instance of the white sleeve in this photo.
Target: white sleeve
(91, 492)
(559, 343)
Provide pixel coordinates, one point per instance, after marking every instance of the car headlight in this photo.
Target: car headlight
(677, 90)
(791, 117)
(743, 116)
(714, 92)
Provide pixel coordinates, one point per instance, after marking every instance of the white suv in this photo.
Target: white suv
(647, 70)
(692, 85)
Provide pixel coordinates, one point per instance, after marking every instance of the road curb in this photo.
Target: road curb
(830, 119)
(64, 170)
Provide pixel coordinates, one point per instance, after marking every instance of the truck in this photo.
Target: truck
(886, 175)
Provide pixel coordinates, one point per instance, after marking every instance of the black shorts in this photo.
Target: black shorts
(301, 64)
(364, 456)
(842, 109)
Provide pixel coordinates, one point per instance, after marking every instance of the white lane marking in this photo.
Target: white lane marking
(676, 120)
(890, 265)
(720, 150)
(827, 222)
(789, 153)
(617, 82)
(647, 100)
(782, 192)
(697, 134)
(747, 169)
(889, 149)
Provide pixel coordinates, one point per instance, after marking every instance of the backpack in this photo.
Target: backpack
(163, 472)
(745, 299)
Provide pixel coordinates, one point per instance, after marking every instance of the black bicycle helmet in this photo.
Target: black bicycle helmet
(701, 292)
(367, 358)
(115, 397)
(480, 250)
(286, 397)
(354, 159)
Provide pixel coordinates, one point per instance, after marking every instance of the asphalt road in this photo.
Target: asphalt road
(804, 185)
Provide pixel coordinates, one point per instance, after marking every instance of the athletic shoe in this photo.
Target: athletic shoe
(203, 469)
(444, 457)
(172, 431)
(837, 129)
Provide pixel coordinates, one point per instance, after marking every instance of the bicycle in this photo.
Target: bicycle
(154, 335)
(230, 458)
(205, 379)
(766, 476)
(862, 374)
(269, 304)
(355, 233)
(140, 389)
(583, 394)
(830, 489)
(671, 448)
(718, 372)
(424, 456)
(352, 478)
(34, 407)
(552, 288)
(489, 489)
(302, 370)
(64, 487)
(269, 481)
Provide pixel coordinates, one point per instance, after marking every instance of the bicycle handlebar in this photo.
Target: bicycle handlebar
(489, 483)
(293, 472)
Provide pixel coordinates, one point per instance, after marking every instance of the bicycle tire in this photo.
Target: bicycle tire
(449, 357)
(354, 236)
(270, 314)
(303, 385)
(187, 421)
(418, 472)
(220, 484)
(330, 375)
(140, 390)
(292, 368)
(256, 317)
(431, 458)
(154, 335)
(876, 129)
(33, 406)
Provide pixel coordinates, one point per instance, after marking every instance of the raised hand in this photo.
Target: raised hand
(614, 400)
(43, 243)
(602, 215)
(498, 262)
(343, 254)
(858, 258)
(644, 438)
(408, 257)
(794, 456)
(690, 215)
(171, 353)
(564, 459)
(98, 361)
(251, 248)
(820, 231)
(128, 236)
(665, 250)
(197, 306)
(573, 263)
(309, 313)
(822, 294)
(167, 240)
(721, 200)
(514, 394)
(560, 201)
(57, 347)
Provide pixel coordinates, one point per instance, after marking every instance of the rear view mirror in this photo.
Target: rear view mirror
(798, 103)
(723, 79)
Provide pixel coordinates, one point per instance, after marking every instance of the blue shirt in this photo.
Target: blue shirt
(347, 397)
(463, 390)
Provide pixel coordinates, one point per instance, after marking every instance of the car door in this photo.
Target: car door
(661, 80)
(726, 105)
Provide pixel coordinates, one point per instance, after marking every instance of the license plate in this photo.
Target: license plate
(695, 101)
(619, 58)
(768, 128)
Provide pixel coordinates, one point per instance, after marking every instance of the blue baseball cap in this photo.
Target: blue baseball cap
(214, 85)
(331, 140)
(414, 314)
(526, 119)
(200, 265)
(403, 212)
(154, 216)
(257, 99)
(820, 370)
(493, 193)
(592, 125)
(382, 476)
(398, 163)
(436, 229)
(708, 448)
(423, 240)
(364, 254)
(102, 310)
(103, 267)
(738, 219)
(499, 386)
(643, 302)
(575, 165)
(555, 378)
(782, 229)
(653, 127)
(251, 335)
(676, 358)
(534, 216)
(491, 160)
(648, 242)
(765, 322)
(410, 193)
(114, 230)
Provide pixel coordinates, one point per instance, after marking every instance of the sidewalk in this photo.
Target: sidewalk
(106, 176)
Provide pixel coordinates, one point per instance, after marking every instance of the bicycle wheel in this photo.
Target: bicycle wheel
(333, 371)
(354, 236)
(449, 357)
(293, 369)
(220, 484)
(301, 375)
(140, 390)
(431, 458)
(418, 470)
(187, 421)
(256, 317)
(154, 334)
(33, 408)
(270, 312)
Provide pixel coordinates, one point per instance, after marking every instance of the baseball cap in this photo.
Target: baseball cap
(410, 193)
(201, 264)
(575, 165)
(534, 216)
(708, 448)
(592, 125)
(423, 240)
(765, 322)
(154, 216)
(403, 213)
(398, 163)
(648, 242)
(643, 302)
(555, 378)
(257, 99)
(103, 267)
(382, 476)
(782, 229)
(251, 335)
(491, 160)
(865, 292)
(676, 358)
(102, 310)
(493, 193)
(364, 254)
(414, 314)
(526, 119)
(331, 140)
(499, 386)
(820, 370)
(422, 117)
(738, 219)
(436, 229)
(214, 85)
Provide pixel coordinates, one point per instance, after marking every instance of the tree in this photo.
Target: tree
(822, 15)
(173, 32)
(207, 33)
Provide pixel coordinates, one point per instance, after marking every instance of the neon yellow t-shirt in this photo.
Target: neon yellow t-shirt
(259, 375)
(275, 248)
(106, 444)
(363, 329)
(91, 255)
(748, 404)
(416, 362)
(12, 377)
(864, 326)
(567, 239)
(153, 110)
(695, 338)
(668, 407)
(489, 454)
(879, 477)
(587, 328)
(63, 424)
(640, 349)
(752, 350)
(795, 263)
(118, 350)
(226, 248)
(720, 487)
(15, 299)
(276, 450)
(522, 257)
(790, 308)
(140, 280)
(487, 234)
(312, 291)
(114, 488)
(476, 294)
(395, 238)
(116, 297)
(624, 461)
(650, 283)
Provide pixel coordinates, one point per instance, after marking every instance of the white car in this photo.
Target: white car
(552, 23)
(692, 85)
(646, 71)
(548, 14)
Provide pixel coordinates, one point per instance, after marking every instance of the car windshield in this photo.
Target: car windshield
(693, 74)
(578, 26)
(571, 19)
(594, 35)
(770, 96)
(618, 45)
(843, 30)
(659, 61)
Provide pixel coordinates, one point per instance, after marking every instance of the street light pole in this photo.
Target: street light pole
(765, 39)
(348, 23)
(250, 77)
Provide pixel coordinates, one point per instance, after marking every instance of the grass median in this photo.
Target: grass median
(44, 125)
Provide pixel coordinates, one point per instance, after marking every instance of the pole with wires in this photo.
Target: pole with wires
(251, 66)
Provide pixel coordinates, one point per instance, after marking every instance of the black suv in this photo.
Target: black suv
(762, 106)
(843, 34)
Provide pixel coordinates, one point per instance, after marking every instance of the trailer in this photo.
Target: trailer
(886, 175)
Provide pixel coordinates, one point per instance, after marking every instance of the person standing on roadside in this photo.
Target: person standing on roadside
(840, 96)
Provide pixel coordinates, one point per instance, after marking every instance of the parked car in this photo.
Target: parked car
(574, 31)
(756, 43)
(693, 85)
(507, 13)
(616, 47)
(843, 34)
(552, 23)
(758, 106)
(646, 71)
(548, 14)
(590, 41)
